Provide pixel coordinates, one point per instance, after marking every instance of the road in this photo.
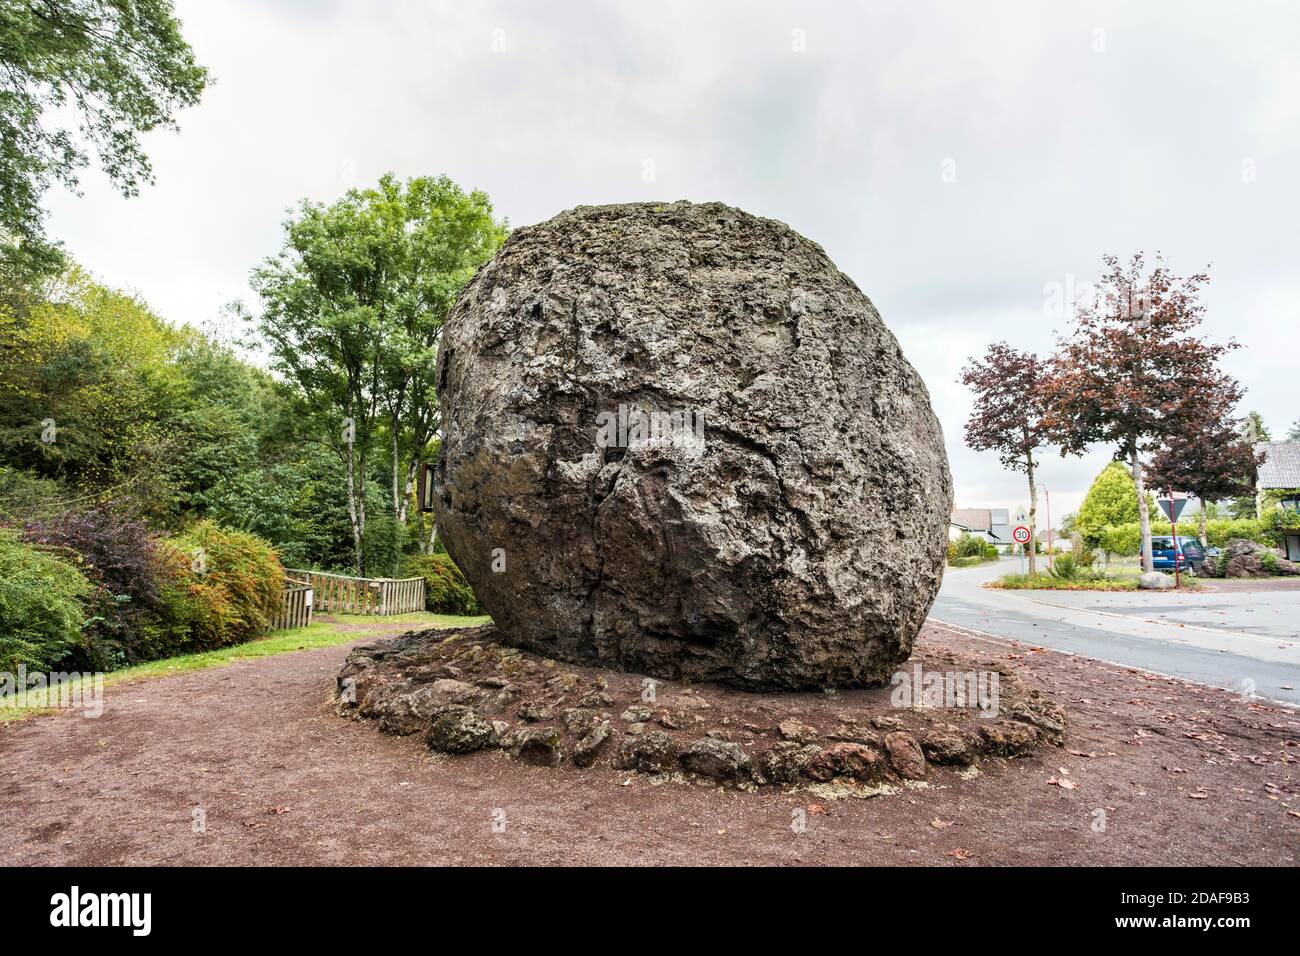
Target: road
(1246, 641)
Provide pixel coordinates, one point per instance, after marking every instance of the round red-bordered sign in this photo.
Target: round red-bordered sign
(1020, 535)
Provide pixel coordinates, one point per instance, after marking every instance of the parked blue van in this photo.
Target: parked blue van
(1191, 554)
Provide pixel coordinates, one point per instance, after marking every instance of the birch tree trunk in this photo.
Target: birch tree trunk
(354, 516)
(1144, 513)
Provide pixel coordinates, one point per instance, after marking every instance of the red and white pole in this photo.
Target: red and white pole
(1173, 524)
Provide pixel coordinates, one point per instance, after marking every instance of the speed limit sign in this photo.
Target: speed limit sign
(1020, 534)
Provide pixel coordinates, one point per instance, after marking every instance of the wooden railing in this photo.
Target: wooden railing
(347, 595)
(296, 600)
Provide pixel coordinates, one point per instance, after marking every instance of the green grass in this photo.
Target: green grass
(1046, 582)
(1121, 579)
(340, 629)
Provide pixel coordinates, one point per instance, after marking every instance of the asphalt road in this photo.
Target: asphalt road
(1248, 641)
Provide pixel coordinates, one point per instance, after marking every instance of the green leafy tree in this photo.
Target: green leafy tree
(351, 311)
(82, 379)
(1293, 433)
(448, 234)
(1253, 429)
(119, 67)
(1111, 500)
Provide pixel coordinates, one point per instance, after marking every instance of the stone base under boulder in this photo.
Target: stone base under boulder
(1249, 559)
(463, 690)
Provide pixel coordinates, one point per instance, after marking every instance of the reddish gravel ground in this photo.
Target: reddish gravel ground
(1184, 774)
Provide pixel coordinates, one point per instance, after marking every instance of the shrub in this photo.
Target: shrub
(1268, 561)
(40, 605)
(971, 546)
(1064, 567)
(445, 589)
(120, 558)
(224, 587)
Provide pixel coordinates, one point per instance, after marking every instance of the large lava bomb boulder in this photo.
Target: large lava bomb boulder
(678, 441)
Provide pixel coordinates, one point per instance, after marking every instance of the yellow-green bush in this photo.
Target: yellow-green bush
(224, 587)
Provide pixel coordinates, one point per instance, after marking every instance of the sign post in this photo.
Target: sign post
(1173, 507)
(1020, 535)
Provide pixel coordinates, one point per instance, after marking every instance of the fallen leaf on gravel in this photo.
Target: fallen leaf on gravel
(1063, 784)
(1175, 769)
(1293, 813)
(940, 824)
(818, 808)
(959, 854)
(254, 824)
(1198, 795)
(278, 810)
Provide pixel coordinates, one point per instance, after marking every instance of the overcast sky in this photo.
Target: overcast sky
(955, 159)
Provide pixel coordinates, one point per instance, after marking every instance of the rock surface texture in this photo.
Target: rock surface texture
(680, 442)
(1243, 558)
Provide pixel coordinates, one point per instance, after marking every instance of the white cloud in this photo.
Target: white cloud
(1061, 153)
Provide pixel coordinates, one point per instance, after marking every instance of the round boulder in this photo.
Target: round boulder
(678, 441)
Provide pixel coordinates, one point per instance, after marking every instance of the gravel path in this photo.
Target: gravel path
(1181, 774)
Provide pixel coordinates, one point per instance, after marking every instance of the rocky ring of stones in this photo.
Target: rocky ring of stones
(463, 691)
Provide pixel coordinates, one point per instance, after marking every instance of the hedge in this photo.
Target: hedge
(1126, 539)
(970, 546)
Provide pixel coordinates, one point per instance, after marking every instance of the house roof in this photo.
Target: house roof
(973, 519)
(1281, 467)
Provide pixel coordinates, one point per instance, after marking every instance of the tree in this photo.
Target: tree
(1111, 500)
(82, 378)
(449, 234)
(1133, 369)
(1008, 413)
(1293, 434)
(1253, 429)
(351, 311)
(120, 66)
(1210, 459)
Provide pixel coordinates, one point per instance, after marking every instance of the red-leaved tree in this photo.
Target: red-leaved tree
(1209, 458)
(1008, 413)
(1133, 372)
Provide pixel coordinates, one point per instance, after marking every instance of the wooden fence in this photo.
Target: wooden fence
(339, 593)
(296, 600)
